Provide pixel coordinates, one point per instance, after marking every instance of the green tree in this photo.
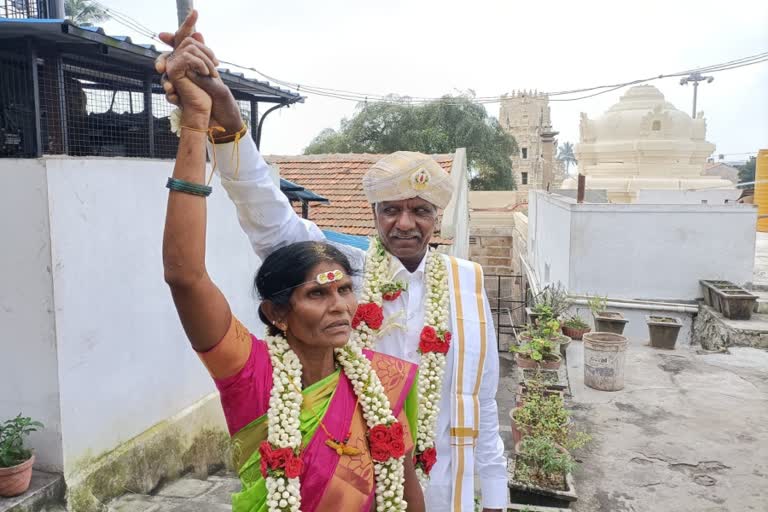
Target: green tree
(565, 155)
(84, 12)
(747, 171)
(440, 126)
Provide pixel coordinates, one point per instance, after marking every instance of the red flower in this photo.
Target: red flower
(370, 313)
(447, 336)
(294, 466)
(426, 459)
(280, 458)
(379, 434)
(390, 296)
(380, 453)
(266, 457)
(396, 431)
(428, 334)
(397, 448)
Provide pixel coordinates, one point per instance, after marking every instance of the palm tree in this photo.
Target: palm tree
(84, 12)
(565, 154)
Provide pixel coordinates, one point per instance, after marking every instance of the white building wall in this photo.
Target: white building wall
(123, 361)
(549, 239)
(28, 369)
(640, 251)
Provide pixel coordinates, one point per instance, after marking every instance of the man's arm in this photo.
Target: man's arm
(490, 463)
(264, 212)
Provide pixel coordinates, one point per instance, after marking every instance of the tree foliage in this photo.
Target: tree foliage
(747, 171)
(440, 126)
(566, 155)
(84, 12)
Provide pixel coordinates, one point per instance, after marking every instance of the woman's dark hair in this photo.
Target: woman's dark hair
(286, 268)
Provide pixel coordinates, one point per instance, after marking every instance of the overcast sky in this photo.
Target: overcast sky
(431, 47)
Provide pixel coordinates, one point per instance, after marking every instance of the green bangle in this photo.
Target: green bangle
(188, 187)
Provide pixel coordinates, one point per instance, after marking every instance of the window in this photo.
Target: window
(656, 126)
(524, 178)
(524, 153)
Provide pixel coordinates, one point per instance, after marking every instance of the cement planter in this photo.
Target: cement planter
(522, 392)
(610, 321)
(15, 480)
(527, 494)
(736, 304)
(551, 378)
(663, 331)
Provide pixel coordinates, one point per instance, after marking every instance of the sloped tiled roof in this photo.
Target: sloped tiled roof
(339, 177)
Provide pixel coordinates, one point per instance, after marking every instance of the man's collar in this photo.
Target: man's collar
(398, 267)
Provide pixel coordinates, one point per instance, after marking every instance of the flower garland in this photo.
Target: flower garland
(434, 340)
(281, 463)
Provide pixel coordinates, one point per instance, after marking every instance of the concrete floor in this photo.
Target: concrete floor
(689, 432)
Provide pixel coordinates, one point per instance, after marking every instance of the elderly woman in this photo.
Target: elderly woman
(318, 423)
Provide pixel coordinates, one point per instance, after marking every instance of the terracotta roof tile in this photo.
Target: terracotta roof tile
(338, 177)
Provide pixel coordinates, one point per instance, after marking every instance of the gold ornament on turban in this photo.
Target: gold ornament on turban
(406, 174)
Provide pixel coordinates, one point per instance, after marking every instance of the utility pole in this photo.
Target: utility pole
(695, 78)
(183, 7)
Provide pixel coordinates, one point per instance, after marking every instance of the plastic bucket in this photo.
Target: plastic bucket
(604, 357)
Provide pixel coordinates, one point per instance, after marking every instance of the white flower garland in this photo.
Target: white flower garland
(284, 494)
(432, 366)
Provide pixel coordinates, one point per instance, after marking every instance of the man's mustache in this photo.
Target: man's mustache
(405, 234)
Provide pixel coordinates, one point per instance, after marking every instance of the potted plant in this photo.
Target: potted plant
(538, 352)
(575, 327)
(555, 298)
(663, 331)
(535, 387)
(606, 321)
(542, 473)
(541, 415)
(15, 460)
(550, 378)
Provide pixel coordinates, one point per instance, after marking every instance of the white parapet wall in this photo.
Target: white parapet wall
(91, 344)
(639, 251)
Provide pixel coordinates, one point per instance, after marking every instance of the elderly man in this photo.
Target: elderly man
(415, 304)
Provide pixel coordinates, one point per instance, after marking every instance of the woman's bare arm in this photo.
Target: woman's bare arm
(412, 490)
(202, 308)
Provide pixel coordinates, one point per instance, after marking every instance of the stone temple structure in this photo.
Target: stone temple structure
(526, 116)
(642, 143)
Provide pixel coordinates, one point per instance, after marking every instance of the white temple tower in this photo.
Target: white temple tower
(643, 142)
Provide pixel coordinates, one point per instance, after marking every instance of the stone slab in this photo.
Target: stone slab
(715, 332)
(45, 489)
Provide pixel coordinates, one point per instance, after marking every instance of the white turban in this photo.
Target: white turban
(404, 175)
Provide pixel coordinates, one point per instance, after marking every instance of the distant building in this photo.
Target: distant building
(526, 116)
(722, 170)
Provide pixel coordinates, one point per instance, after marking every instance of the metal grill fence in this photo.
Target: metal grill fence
(88, 107)
(18, 9)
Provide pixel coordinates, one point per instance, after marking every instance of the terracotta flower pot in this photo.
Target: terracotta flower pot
(575, 334)
(15, 480)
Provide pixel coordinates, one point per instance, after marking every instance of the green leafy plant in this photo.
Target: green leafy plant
(543, 416)
(597, 304)
(538, 349)
(575, 322)
(540, 461)
(556, 298)
(12, 433)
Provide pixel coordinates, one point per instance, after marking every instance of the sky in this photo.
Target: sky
(430, 48)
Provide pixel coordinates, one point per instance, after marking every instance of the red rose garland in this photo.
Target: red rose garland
(426, 459)
(387, 442)
(278, 460)
(434, 341)
(370, 313)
